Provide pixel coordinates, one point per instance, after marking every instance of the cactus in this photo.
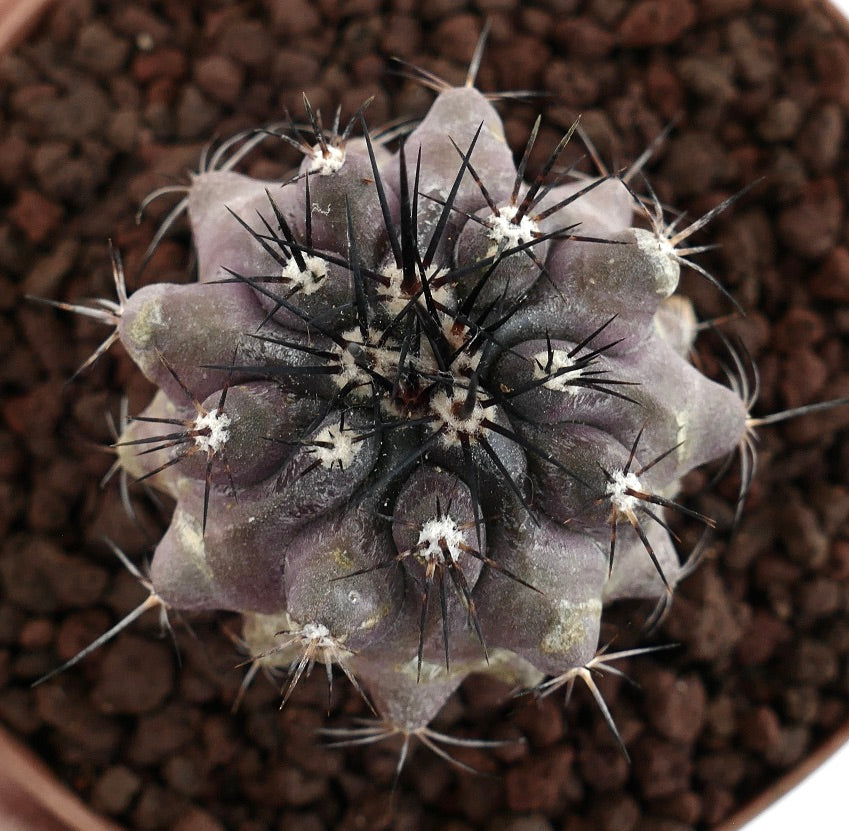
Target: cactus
(420, 417)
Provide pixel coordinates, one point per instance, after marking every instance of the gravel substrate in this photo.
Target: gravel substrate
(109, 101)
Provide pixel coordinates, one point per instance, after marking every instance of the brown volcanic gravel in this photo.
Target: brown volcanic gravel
(108, 101)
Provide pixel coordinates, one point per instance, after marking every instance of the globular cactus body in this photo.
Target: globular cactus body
(415, 399)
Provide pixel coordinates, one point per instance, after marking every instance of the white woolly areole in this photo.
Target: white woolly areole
(342, 449)
(561, 363)
(465, 363)
(350, 372)
(316, 643)
(435, 534)
(319, 634)
(662, 254)
(395, 300)
(382, 359)
(309, 280)
(218, 424)
(325, 165)
(616, 490)
(455, 424)
(502, 230)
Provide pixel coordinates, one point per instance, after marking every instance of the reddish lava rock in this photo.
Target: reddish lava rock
(831, 281)
(656, 22)
(811, 227)
(35, 215)
(135, 676)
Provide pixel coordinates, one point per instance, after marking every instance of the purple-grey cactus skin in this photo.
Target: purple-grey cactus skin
(416, 398)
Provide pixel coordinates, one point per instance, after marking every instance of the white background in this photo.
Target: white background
(820, 802)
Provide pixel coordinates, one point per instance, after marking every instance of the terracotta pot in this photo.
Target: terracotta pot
(800, 786)
(18, 18)
(32, 798)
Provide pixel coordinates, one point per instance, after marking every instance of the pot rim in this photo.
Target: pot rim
(808, 766)
(18, 18)
(27, 776)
